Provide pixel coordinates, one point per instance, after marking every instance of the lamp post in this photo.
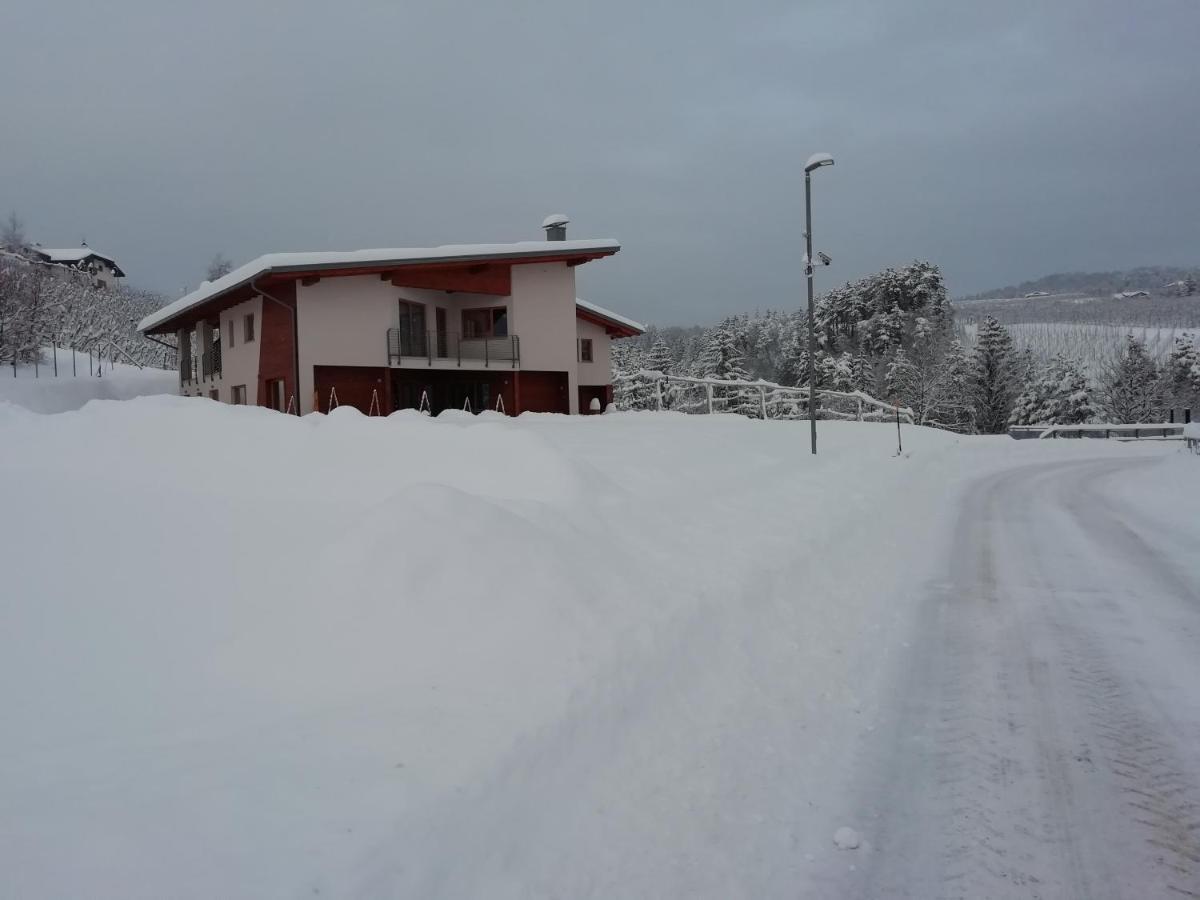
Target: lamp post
(814, 162)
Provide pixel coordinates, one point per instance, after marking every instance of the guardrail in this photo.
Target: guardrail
(1138, 431)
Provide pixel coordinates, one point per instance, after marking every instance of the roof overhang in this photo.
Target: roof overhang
(613, 324)
(397, 265)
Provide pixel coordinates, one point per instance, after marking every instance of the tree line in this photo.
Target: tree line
(893, 335)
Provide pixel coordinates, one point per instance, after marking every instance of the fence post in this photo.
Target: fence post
(658, 393)
(762, 400)
(860, 409)
(708, 394)
(899, 442)
(74, 374)
(55, 346)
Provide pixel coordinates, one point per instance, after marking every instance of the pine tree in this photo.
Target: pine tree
(1181, 373)
(660, 359)
(995, 384)
(1056, 394)
(1131, 391)
(1070, 401)
(723, 359)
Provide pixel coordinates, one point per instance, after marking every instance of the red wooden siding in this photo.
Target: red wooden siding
(275, 349)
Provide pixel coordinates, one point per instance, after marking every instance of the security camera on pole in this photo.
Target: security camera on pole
(814, 162)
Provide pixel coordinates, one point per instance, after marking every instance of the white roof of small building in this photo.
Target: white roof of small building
(284, 262)
(70, 254)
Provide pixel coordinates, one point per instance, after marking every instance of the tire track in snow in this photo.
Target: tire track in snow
(1029, 745)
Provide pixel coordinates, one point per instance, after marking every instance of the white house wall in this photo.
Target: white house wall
(543, 315)
(599, 371)
(239, 363)
(344, 321)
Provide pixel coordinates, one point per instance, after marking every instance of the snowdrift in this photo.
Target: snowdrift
(252, 655)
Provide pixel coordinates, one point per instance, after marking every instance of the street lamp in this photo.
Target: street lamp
(814, 162)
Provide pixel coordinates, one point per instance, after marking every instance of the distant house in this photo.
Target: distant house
(103, 269)
(1129, 295)
(475, 326)
(1036, 294)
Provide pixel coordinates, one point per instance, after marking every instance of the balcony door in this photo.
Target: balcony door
(412, 329)
(485, 323)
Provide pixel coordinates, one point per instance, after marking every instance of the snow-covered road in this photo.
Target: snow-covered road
(1045, 740)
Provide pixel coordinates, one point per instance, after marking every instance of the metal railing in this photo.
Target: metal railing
(759, 399)
(448, 346)
(210, 363)
(1136, 431)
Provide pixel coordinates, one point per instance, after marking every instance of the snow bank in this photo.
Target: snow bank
(47, 394)
(252, 655)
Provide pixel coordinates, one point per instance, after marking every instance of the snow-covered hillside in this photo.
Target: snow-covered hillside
(43, 392)
(251, 655)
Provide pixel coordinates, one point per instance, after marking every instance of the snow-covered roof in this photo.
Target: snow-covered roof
(554, 219)
(68, 255)
(610, 315)
(341, 259)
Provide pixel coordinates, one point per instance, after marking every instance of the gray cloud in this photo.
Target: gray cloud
(1001, 140)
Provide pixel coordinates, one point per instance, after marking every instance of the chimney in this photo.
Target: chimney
(556, 227)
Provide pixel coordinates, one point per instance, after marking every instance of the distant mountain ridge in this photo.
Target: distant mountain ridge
(1154, 279)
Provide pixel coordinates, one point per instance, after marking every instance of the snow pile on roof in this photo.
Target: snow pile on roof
(249, 654)
(383, 256)
(609, 314)
(70, 254)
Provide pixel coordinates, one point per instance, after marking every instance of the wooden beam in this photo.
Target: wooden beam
(309, 280)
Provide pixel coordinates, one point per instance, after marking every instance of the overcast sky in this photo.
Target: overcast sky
(1001, 140)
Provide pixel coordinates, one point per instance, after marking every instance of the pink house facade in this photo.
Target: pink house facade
(469, 326)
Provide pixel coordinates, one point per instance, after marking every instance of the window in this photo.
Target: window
(481, 323)
(249, 326)
(231, 332)
(239, 395)
(585, 349)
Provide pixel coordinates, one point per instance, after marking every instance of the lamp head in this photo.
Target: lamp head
(816, 161)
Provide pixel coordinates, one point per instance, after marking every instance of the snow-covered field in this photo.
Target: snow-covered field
(1095, 345)
(249, 655)
(41, 391)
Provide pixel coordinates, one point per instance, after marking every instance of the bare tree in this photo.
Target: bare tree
(12, 237)
(218, 266)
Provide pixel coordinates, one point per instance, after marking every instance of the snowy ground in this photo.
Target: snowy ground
(640, 655)
(41, 391)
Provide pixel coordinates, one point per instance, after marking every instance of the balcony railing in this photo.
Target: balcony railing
(447, 346)
(210, 363)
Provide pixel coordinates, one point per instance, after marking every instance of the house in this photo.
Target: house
(475, 326)
(103, 269)
(1129, 295)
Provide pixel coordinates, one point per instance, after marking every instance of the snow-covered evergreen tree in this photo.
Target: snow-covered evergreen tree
(1056, 394)
(723, 359)
(1131, 390)
(994, 382)
(1181, 374)
(660, 358)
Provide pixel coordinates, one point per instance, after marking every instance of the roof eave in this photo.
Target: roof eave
(166, 325)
